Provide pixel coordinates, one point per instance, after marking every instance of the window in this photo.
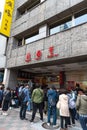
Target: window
(20, 43)
(81, 17)
(60, 26)
(66, 23)
(32, 38)
(26, 7)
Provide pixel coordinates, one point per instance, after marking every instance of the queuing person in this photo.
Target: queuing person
(29, 107)
(37, 99)
(63, 107)
(14, 99)
(1, 95)
(52, 100)
(81, 105)
(45, 100)
(24, 101)
(6, 101)
(72, 107)
(21, 86)
(77, 88)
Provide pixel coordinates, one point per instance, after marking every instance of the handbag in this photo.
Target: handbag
(13, 102)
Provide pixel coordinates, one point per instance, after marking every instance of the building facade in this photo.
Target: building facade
(6, 10)
(48, 42)
(2, 56)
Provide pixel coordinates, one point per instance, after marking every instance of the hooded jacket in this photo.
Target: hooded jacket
(37, 95)
(52, 94)
(81, 104)
(62, 105)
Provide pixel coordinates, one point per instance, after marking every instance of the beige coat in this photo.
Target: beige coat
(62, 105)
(81, 104)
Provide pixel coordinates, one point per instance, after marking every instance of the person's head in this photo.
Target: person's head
(37, 85)
(81, 92)
(8, 89)
(26, 85)
(53, 87)
(77, 85)
(2, 86)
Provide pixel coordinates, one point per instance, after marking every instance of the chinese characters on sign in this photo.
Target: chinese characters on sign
(51, 52)
(39, 54)
(7, 17)
(28, 57)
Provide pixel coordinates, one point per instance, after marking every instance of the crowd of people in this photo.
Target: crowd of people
(69, 105)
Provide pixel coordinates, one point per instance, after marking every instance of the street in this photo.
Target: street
(13, 122)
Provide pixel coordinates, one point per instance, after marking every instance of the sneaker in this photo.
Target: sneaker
(21, 118)
(31, 120)
(48, 124)
(25, 118)
(69, 125)
(5, 114)
(73, 124)
(54, 126)
(10, 108)
(41, 121)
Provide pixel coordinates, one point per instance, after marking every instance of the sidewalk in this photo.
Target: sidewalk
(13, 122)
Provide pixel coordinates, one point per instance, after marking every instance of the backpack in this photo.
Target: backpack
(71, 104)
(21, 95)
(7, 96)
(52, 101)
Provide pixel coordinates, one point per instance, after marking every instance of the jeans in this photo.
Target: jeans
(17, 102)
(23, 109)
(64, 121)
(52, 113)
(83, 121)
(73, 113)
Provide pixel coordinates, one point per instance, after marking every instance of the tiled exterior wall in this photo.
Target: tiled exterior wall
(70, 43)
(41, 13)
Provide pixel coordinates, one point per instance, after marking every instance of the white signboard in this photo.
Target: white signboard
(2, 4)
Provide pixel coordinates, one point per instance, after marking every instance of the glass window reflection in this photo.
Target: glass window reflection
(61, 27)
(81, 19)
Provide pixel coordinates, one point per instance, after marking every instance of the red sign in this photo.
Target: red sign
(39, 54)
(28, 57)
(51, 52)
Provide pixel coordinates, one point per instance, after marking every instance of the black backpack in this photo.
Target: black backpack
(21, 95)
(7, 96)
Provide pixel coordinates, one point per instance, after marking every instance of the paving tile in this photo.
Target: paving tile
(13, 122)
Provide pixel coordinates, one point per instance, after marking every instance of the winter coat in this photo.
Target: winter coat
(37, 95)
(81, 104)
(7, 96)
(62, 105)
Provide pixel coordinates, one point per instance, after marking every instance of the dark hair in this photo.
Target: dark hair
(8, 88)
(37, 85)
(53, 87)
(78, 85)
(86, 93)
